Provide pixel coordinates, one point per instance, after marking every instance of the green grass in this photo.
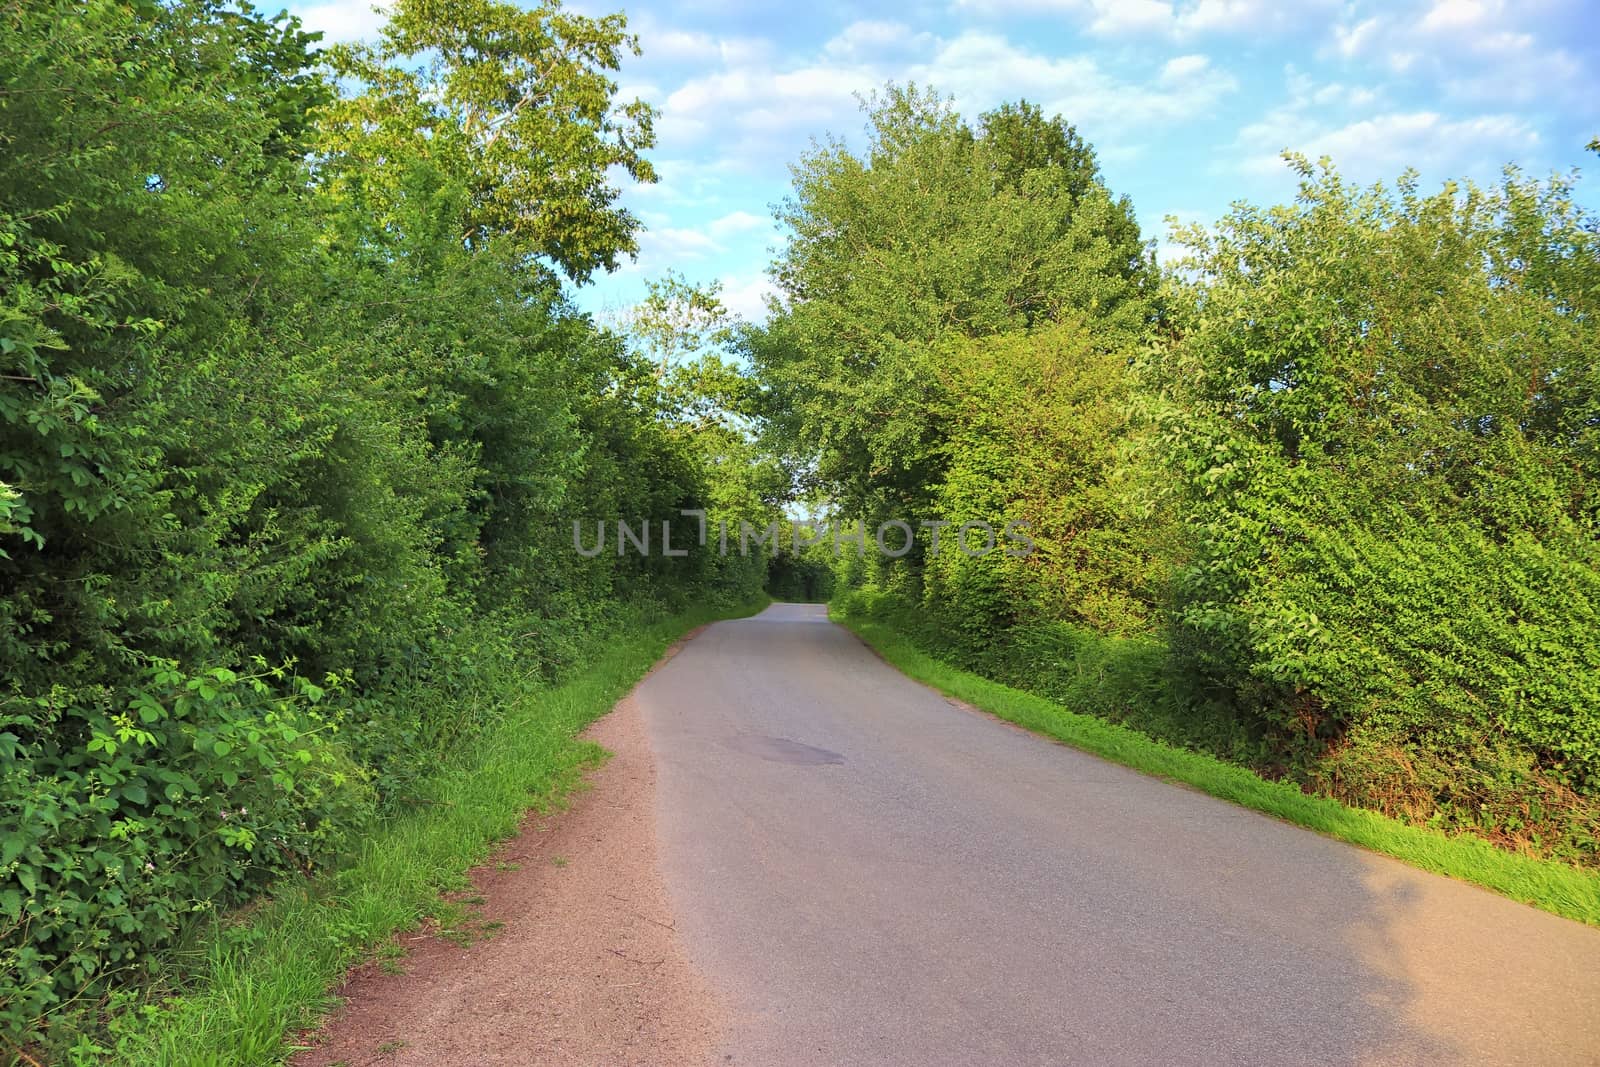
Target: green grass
(1555, 887)
(263, 979)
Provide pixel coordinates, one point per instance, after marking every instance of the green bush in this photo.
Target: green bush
(1383, 435)
(127, 818)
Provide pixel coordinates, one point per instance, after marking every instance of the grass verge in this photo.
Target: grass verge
(1555, 887)
(261, 979)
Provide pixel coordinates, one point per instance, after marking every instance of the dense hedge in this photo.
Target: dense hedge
(287, 464)
(1383, 424)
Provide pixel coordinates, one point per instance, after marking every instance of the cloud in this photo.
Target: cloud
(982, 69)
(735, 223)
(664, 246)
(1133, 17)
(682, 182)
(1355, 38)
(1381, 146)
(1252, 17)
(747, 296)
(674, 243)
(342, 20)
(666, 44)
(1373, 136)
(1182, 68)
(759, 114)
(1478, 50)
(1166, 19)
(874, 41)
(757, 111)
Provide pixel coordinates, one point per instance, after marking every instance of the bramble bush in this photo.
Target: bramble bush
(130, 812)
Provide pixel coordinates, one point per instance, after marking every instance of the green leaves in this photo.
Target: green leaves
(515, 107)
(294, 416)
(1388, 467)
(118, 838)
(936, 232)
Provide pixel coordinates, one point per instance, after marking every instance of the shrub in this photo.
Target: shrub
(124, 818)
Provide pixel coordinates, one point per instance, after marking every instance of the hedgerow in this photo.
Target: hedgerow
(295, 415)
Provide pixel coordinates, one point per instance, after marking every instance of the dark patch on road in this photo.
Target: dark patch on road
(782, 750)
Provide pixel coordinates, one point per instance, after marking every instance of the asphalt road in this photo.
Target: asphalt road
(871, 875)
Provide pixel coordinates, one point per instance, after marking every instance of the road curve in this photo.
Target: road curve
(872, 875)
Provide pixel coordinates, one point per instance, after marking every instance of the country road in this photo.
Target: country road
(868, 874)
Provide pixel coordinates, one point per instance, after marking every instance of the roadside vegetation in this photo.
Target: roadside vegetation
(296, 416)
(243, 987)
(1320, 501)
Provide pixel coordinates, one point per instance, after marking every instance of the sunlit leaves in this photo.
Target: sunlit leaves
(515, 106)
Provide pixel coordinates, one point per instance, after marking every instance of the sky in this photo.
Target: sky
(1188, 103)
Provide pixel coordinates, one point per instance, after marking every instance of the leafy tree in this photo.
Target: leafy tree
(934, 232)
(676, 320)
(294, 416)
(1043, 432)
(514, 106)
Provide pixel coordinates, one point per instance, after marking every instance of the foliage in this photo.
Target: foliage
(516, 107)
(1324, 503)
(937, 231)
(125, 821)
(1042, 432)
(258, 979)
(677, 319)
(1383, 428)
(290, 389)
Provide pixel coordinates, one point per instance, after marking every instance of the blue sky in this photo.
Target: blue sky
(1187, 102)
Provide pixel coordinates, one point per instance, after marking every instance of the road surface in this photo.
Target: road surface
(869, 874)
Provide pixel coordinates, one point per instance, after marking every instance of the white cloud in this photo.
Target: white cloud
(735, 223)
(664, 246)
(1163, 18)
(747, 297)
(983, 69)
(1180, 68)
(678, 242)
(759, 111)
(1350, 40)
(1381, 146)
(342, 20)
(1483, 50)
(1371, 137)
(661, 43)
(1132, 17)
(1455, 15)
(681, 183)
(757, 117)
(680, 45)
(873, 40)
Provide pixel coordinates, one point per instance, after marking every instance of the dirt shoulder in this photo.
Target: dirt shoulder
(586, 969)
